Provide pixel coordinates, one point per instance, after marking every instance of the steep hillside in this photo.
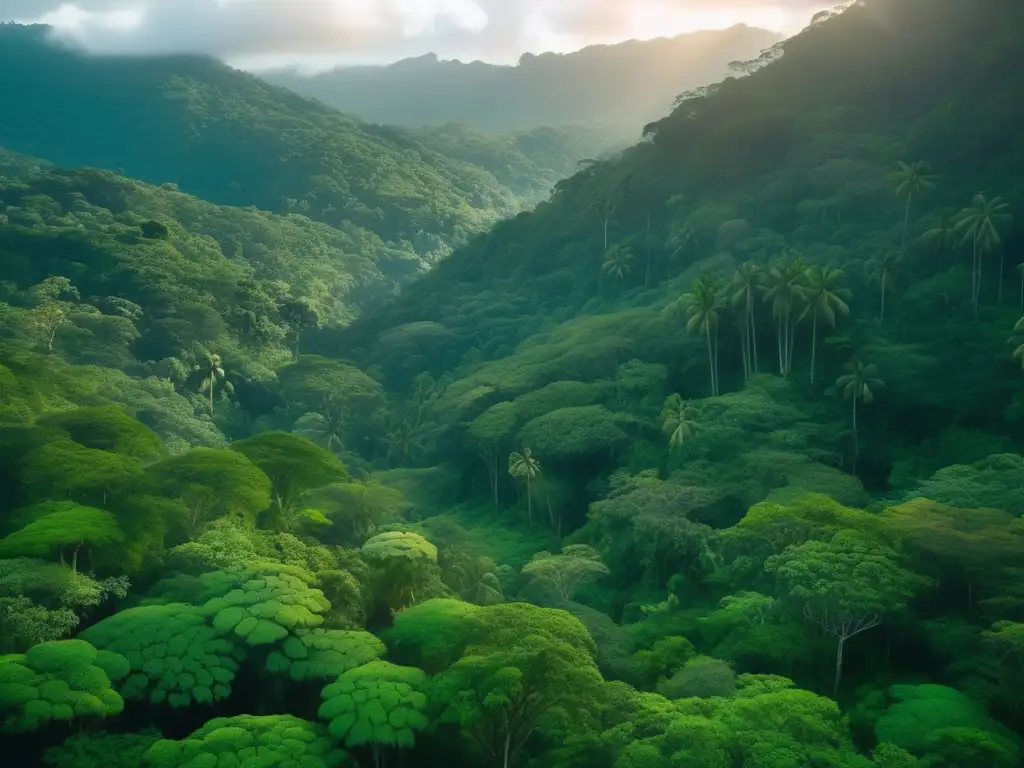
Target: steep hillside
(623, 85)
(797, 158)
(232, 139)
(145, 281)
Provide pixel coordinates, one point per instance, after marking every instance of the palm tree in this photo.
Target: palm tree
(526, 466)
(677, 421)
(1018, 339)
(330, 421)
(826, 300)
(911, 181)
(212, 372)
(403, 441)
(882, 270)
(747, 286)
(618, 262)
(785, 291)
(979, 223)
(942, 238)
(703, 306)
(682, 239)
(859, 384)
(605, 207)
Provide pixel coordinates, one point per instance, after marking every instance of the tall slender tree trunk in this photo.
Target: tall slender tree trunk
(753, 330)
(1002, 264)
(839, 667)
(885, 278)
(605, 227)
(856, 439)
(906, 224)
(814, 344)
(791, 346)
(779, 334)
(647, 242)
(529, 497)
(711, 359)
(718, 386)
(745, 348)
(211, 396)
(975, 275)
(508, 743)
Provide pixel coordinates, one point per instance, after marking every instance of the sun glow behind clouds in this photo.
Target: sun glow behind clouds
(255, 33)
(667, 19)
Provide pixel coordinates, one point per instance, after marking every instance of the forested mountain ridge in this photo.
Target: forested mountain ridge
(232, 139)
(621, 85)
(714, 459)
(781, 159)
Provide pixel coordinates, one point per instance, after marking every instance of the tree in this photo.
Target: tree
(562, 574)
(618, 262)
(106, 428)
(703, 307)
(527, 467)
(54, 299)
(881, 271)
(785, 291)
(62, 468)
(826, 300)
(747, 288)
(406, 567)
(294, 465)
(678, 421)
(58, 681)
(379, 705)
(520, 666)
(262, 740)
(69, 526)
(489, 433)
(300, 316)
(911, 181)
(211, 372)
(1018, 340)
(845, 585)
(859, 384)
(980, 225)
(326, 423)
(212, 483)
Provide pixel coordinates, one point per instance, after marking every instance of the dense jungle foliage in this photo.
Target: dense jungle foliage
(712, 460)
(614, 88)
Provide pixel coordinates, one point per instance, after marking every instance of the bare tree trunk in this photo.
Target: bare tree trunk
(529, 498)
(814, 344)
(839, 667)
(647, 242)
(711, 361)
(753, 330)
(856, 440)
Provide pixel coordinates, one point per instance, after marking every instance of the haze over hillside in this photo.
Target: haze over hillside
(627, 84)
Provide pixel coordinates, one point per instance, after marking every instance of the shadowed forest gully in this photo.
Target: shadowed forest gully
(326, 443)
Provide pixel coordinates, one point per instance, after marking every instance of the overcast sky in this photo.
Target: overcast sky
(317, 33)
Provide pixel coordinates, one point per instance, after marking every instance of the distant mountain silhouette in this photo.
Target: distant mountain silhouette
(627, 84)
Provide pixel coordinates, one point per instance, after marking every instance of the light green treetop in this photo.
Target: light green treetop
(377, 704)
(63, 532)
(249, 741)
(174, 654)
(60, 680)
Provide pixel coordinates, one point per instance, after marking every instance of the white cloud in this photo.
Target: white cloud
(295, 30)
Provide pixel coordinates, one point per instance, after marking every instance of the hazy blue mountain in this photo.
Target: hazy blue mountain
(626, 84)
